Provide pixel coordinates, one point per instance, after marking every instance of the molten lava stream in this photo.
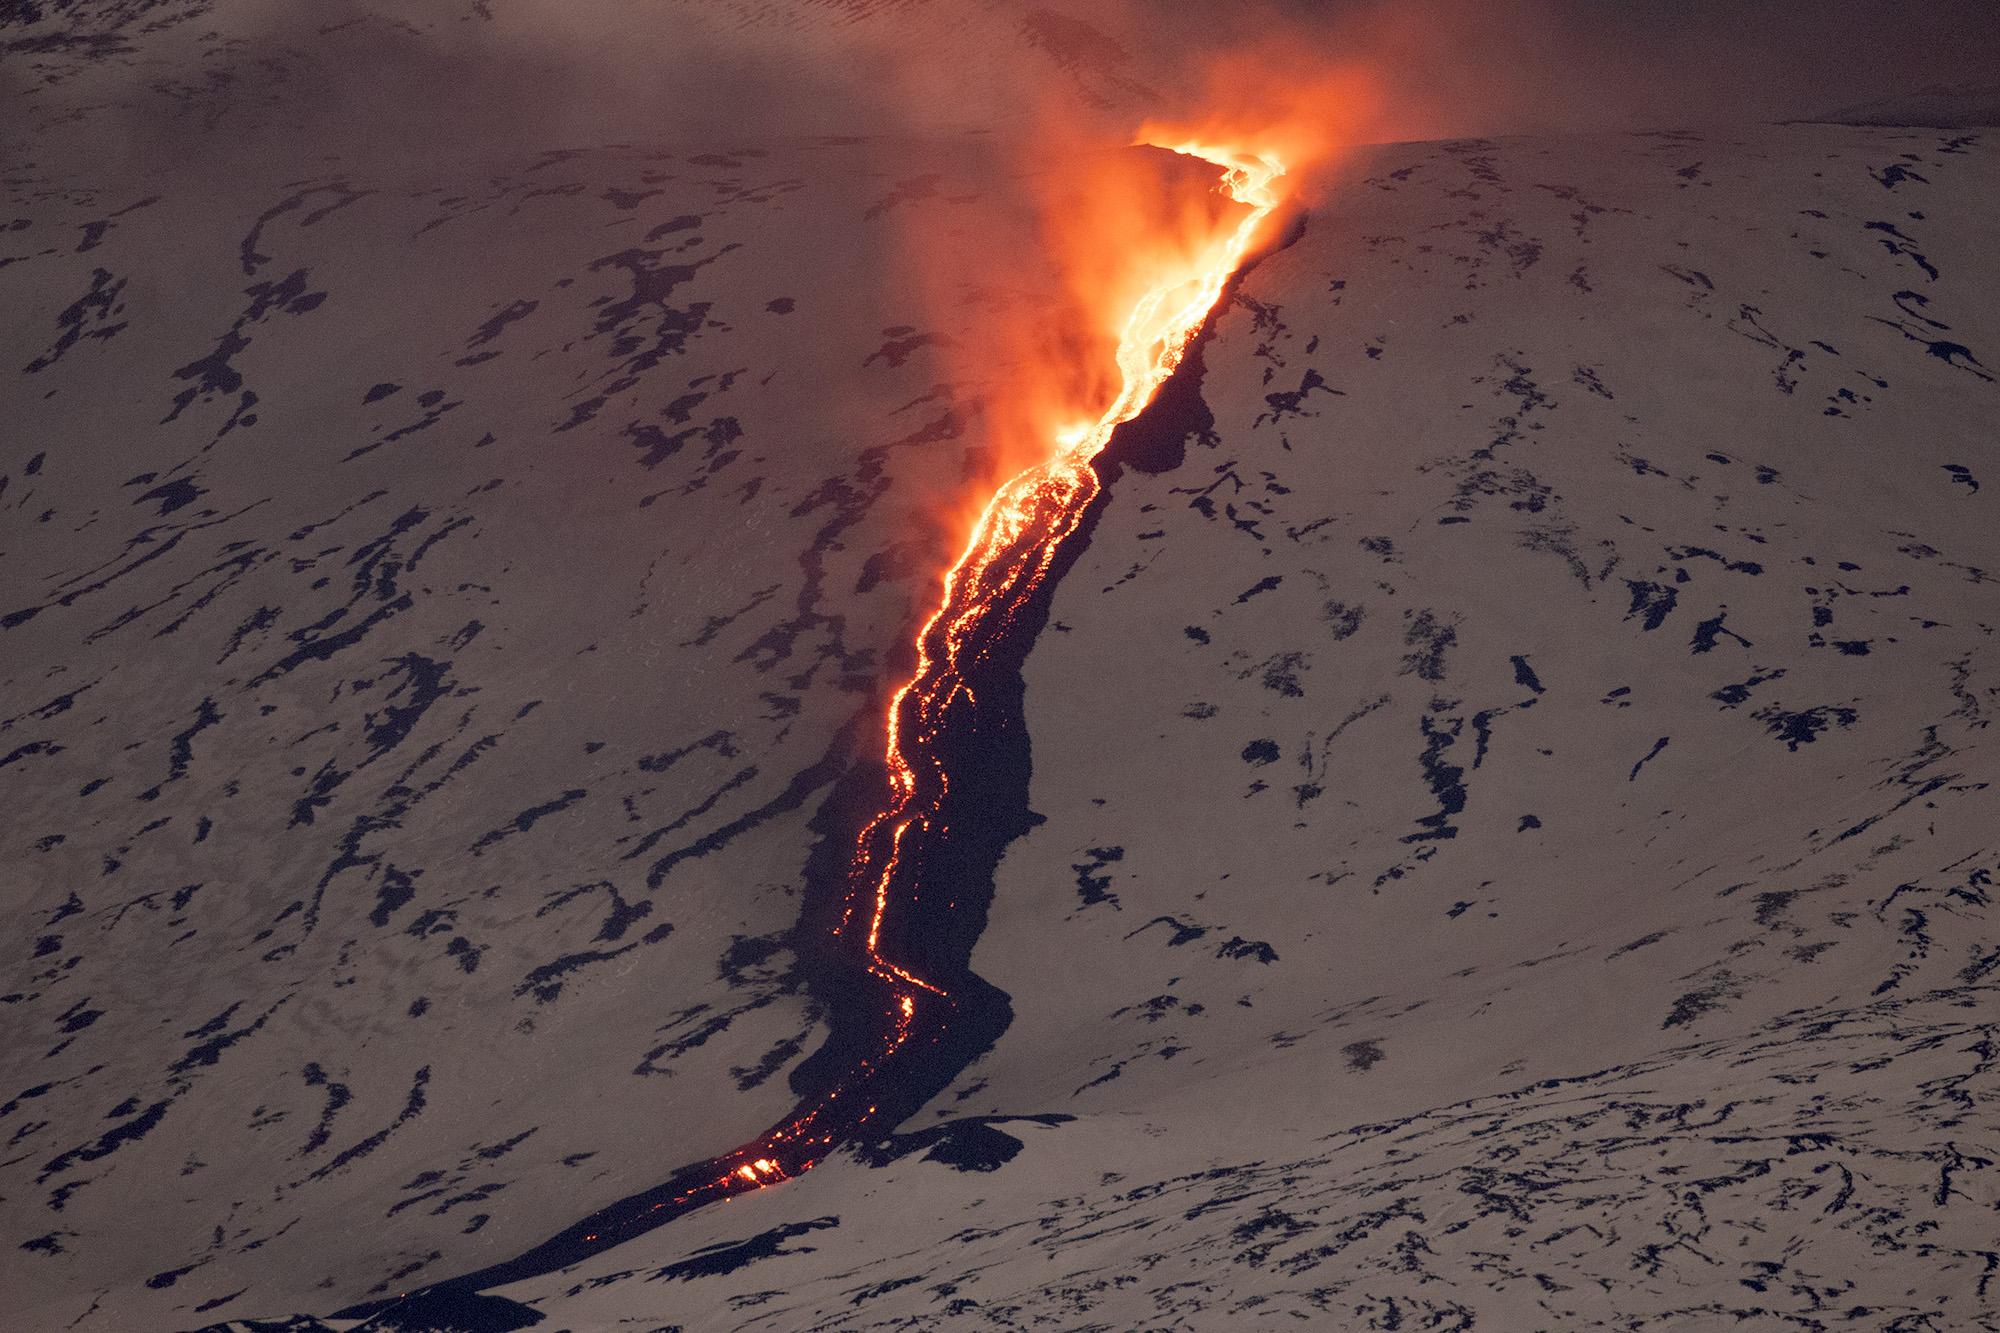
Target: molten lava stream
(1012, 547)
(1010, 551)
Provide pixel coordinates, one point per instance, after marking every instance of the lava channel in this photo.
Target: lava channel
(1007, 559)
(1008, 556)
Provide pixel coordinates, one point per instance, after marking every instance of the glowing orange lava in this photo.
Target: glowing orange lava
(1010, 550)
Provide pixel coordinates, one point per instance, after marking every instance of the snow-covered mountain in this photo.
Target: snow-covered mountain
(1511, 758)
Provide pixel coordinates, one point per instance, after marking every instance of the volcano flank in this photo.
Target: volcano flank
(930, 665)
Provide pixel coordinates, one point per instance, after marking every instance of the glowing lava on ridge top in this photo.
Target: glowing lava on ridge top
(1009, 552)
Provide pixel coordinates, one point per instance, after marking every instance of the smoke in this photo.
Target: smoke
(167, 81)
(1028, 99)
(1464, 68)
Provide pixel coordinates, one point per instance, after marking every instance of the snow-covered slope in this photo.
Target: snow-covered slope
(1516, 842)
(433, 619)
(1518, 845)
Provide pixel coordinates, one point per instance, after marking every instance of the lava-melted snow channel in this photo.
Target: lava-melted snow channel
(918, 873)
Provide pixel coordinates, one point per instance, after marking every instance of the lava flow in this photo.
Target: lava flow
(1013, 547)
(1009, 553)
